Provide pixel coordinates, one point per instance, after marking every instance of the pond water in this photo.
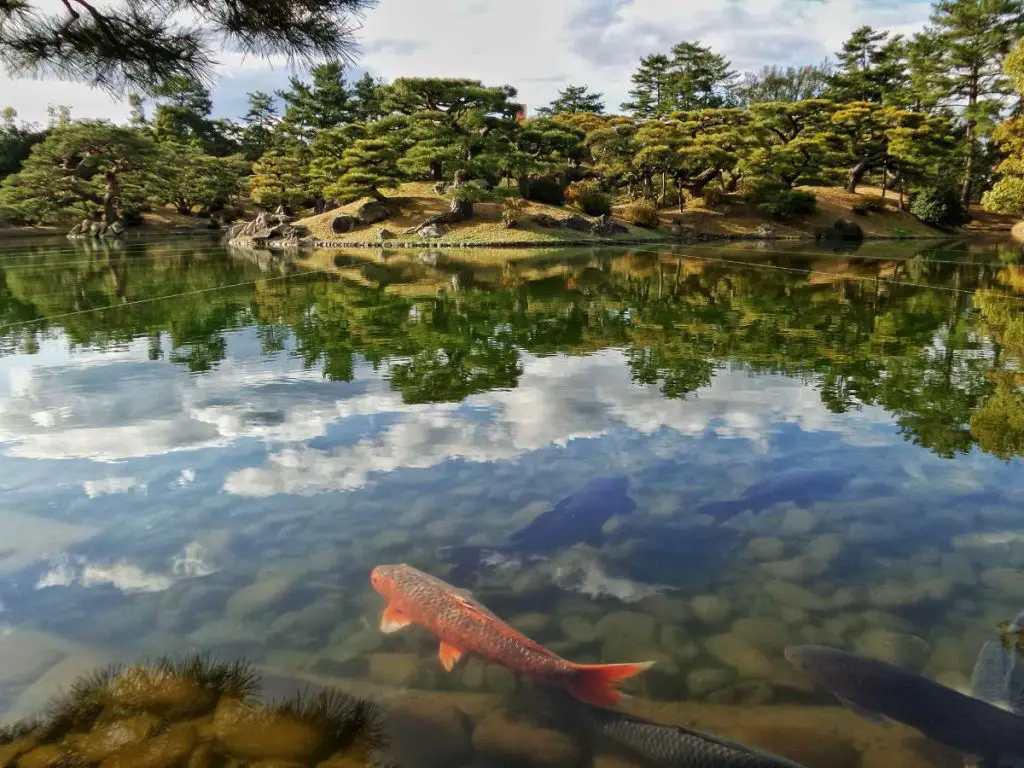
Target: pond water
(208, 450)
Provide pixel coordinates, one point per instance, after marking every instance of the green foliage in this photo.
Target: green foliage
(279, 178)
(574, 99)
(195, 182)
(259, 122)
(787, 204)
(777, 84)
(545, 189)
(82, 168)
(713, 195)
(370, 165)
(592, 201)
(692, 77)
(16, 142)
(642, 213)
(870, 67)
(938, 206)
(323, 104)
(140, 43)
(453, 125)
(1007, 194)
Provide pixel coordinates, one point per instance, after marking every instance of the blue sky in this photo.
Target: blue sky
(537, 46)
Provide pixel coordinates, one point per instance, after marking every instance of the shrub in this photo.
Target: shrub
(545, 189)
(642, 213)
(759, 190)
(592, 201)
(713, 196)
(860, 209)
(789, 204)
(875, 205)
(938, 206)
(513, 205)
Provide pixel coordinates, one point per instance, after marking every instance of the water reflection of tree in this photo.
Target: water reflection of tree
(943, 364)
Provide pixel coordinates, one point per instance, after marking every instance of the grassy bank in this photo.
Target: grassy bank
(732, 219)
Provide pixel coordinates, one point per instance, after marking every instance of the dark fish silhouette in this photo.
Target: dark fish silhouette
(877, 690)
(578, 518)
(670, 746)
(798, 487)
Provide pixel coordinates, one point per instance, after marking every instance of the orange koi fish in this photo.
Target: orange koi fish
(464, 626)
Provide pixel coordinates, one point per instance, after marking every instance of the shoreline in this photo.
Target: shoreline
(281, 245)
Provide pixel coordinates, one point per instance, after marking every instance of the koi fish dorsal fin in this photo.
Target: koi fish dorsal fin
(449, 656)
(392, 620)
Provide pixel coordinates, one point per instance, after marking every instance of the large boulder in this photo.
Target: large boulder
(606, 226)
(841, 229)
(433, 231)
(97, 228)
(544, 220)
(577, 223)
(342, 224)
(385, 234)
(372, 212)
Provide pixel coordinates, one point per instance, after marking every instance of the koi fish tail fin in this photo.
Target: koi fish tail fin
(595, 683)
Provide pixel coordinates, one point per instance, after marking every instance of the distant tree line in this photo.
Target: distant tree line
(888, 110)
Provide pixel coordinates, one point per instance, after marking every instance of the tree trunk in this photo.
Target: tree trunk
(682, 197)
(377, 195)
(885, 181)
(967, 189)
(436, 171)
(110, 196)
(664, 190)
(856, 175)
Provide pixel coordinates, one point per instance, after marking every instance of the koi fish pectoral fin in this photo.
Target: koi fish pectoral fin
(393, 620)
(449, 656)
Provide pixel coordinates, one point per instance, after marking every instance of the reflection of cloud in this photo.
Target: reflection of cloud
(186, 478)
(111, 485)
(68, 570)
(557, 400)
(131, 407)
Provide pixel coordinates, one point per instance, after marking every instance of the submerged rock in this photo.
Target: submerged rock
(1010, 581)
(499, 740)
(766, 548)
(711, 609)
(701, 682)
(427, 733)
(397, 669)
(579, 629)
(257, 597)
(623, 632)
(741, 654)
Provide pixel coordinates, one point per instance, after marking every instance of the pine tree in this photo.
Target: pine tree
(325, 103)
(82, 167)
(1007, 194)
(870, 67)
(701, 78)
(370, 165)
(649, 95)
(575, 98)
(259, 121)
(789, 84)
(367, 99)
(279, 179)
(143, 43)
(975, 36)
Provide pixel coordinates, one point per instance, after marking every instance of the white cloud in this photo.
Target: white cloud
(556, 400)
(539, 45)
(108, 486)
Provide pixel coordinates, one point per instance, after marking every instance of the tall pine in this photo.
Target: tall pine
(975, 36)
(870, 67)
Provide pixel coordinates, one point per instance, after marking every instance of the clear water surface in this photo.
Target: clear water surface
(208, 450)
